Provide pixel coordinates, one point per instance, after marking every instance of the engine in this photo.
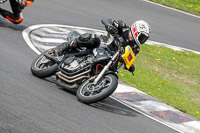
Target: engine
(73, 64)
(74, 69)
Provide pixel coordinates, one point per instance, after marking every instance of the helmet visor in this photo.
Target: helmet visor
(142, 38)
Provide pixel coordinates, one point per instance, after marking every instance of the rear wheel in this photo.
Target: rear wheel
(43, 67)
(91, 93)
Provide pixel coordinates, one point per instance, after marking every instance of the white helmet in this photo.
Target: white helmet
(140, 31)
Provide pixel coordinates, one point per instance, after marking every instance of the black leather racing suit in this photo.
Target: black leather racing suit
(91, 41)
(123, 31)
(87, 40)
(120, 28)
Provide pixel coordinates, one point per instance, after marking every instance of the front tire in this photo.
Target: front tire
(89, 93)
(43, 67)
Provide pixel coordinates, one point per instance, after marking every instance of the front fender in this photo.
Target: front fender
(111, 72)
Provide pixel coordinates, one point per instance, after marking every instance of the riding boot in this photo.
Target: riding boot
(58, 50)
(86, 40)
(3, 12)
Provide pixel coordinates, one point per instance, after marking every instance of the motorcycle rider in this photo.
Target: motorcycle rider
(17, 6)
(134, 36)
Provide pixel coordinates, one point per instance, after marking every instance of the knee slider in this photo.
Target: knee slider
(84, 38)
(88, 40)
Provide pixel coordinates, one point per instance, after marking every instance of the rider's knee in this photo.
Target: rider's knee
(88, 40)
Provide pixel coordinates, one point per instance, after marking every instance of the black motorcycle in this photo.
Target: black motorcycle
(91, 73)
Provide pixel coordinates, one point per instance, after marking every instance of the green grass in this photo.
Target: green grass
(171, 76)
(191, 6)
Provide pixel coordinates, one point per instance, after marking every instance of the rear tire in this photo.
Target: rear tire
(89, 93)
(43, 67)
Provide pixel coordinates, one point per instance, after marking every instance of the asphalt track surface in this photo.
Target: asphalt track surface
(32, 105)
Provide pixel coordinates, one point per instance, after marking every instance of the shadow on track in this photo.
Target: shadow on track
(108, 104)
(5, 23)
(112, 106)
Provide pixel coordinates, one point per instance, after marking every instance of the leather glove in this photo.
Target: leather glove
(112, 29)
(122, 24)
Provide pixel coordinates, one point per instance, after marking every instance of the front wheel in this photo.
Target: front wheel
(43, 67)
(91, 93)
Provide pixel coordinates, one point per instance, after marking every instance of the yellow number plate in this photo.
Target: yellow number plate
(128, 56)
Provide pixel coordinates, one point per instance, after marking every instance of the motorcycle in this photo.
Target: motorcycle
(91, 73)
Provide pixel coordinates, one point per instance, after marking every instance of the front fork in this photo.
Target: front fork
(106, 68)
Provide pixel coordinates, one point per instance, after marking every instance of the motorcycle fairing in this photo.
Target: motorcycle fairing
(100, 55)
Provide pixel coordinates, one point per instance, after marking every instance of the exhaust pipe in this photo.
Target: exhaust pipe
(71, 79)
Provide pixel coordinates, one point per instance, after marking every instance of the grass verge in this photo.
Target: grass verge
(191, 6)
(172, 77)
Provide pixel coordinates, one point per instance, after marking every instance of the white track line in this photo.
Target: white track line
(25, 34)
(176, 48)
(54, 40)
(146, 114)
(172, 9)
